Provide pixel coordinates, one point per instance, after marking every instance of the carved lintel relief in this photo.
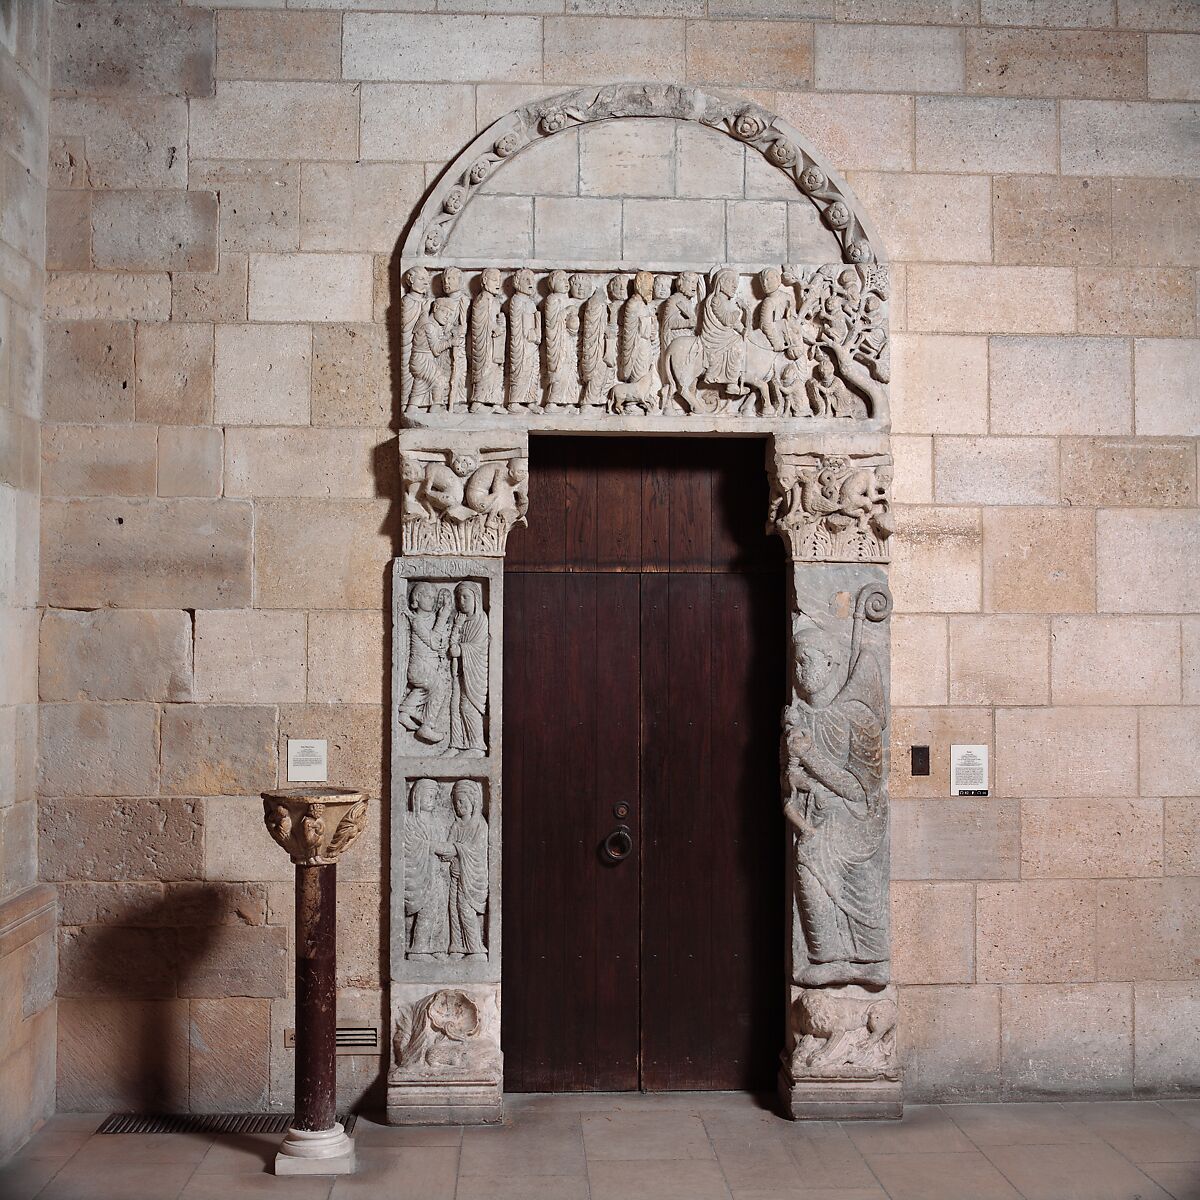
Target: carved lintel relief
(446, 871)
(462, 492)
(807, 343)
(831, 506)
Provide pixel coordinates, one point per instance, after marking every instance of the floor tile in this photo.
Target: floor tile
(522, 1187)
(924, 1129)
(1182, 1180)
(855, 1193)
(539, 1146)
(240, 1154)
(419, 1173)
(23, 1178)
(87, 1122)
(1019, 1124)
(240, 1186)
(54, 1143)
(1185, 1110)
(391, 1137)
(129, 1149)
(659, 1135)
(941, 1177)
(825, 1156)
(656, 1179)
(756, 1162)
(1141, 1130)
(118, 1181)
(1094, 1172)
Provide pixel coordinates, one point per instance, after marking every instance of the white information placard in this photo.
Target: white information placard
(968, 770)
(307, 760)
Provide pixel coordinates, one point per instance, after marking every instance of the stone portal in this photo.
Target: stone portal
(490, 352)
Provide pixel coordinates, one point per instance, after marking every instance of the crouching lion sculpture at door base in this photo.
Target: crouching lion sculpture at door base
(847, 1034)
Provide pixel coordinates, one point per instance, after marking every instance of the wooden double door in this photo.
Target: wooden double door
(644, 652)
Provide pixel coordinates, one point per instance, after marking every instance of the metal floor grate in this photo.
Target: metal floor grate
(206, 1122)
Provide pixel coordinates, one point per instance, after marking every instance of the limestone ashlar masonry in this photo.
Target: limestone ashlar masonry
(209, 306)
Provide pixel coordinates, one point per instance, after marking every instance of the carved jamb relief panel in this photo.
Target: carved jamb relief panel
(790, 342)
(462, 491)
(746, 122)
(831, 502)
(447, 871)
(445, 1035)
(443, 647)
(834, 785)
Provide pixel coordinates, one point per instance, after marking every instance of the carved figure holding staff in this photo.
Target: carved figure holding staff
(836, 801)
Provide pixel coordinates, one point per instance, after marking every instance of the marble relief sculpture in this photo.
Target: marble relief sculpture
(460, 501)
(782, 342)
(832, 507)
(446, 647)
(835, 800)
(441, 1035)
(445, 871)
(845, 1033)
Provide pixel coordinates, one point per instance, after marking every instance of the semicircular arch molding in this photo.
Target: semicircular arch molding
(754, 126)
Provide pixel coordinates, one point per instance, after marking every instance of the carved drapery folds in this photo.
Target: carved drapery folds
(443, 667)
(750, 124)
(462, 493)
(831, 507)
(834, 787)
(446, 876)
(804, 343)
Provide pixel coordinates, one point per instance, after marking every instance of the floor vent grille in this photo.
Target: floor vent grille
(206, 1122)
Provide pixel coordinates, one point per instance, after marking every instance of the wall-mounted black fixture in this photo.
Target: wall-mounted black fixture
(920, 760)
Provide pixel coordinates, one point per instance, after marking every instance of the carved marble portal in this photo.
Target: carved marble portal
(488, 353)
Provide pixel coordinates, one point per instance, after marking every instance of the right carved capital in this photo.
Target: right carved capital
(829, 503)
(463, 490)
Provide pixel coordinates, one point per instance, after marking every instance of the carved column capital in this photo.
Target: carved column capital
(463, 490)
(315, 825)
(831, 499)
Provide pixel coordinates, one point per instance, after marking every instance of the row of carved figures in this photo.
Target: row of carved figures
(787, 342)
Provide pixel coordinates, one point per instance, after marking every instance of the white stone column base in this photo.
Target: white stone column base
(316, 1152)
(841, 1099)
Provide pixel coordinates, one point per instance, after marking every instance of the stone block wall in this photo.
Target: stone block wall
(27, 946)
(227, 189)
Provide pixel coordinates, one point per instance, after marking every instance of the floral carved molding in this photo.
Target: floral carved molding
(745, 122)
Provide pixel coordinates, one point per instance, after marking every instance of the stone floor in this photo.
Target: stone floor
(685, 1146)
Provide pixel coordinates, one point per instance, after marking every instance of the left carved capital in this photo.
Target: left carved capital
(831, 504)
(463, 490)
(315, 825)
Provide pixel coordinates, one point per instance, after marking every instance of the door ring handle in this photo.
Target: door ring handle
(618, 845)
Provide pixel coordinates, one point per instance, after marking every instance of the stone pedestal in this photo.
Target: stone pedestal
(445, 1102)
(315, 825)
(833, 1100)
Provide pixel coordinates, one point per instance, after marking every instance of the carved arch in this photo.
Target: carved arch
(783, 147)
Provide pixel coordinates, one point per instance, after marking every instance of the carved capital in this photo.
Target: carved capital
(462, 490)
(315, 825)
(831, 505)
